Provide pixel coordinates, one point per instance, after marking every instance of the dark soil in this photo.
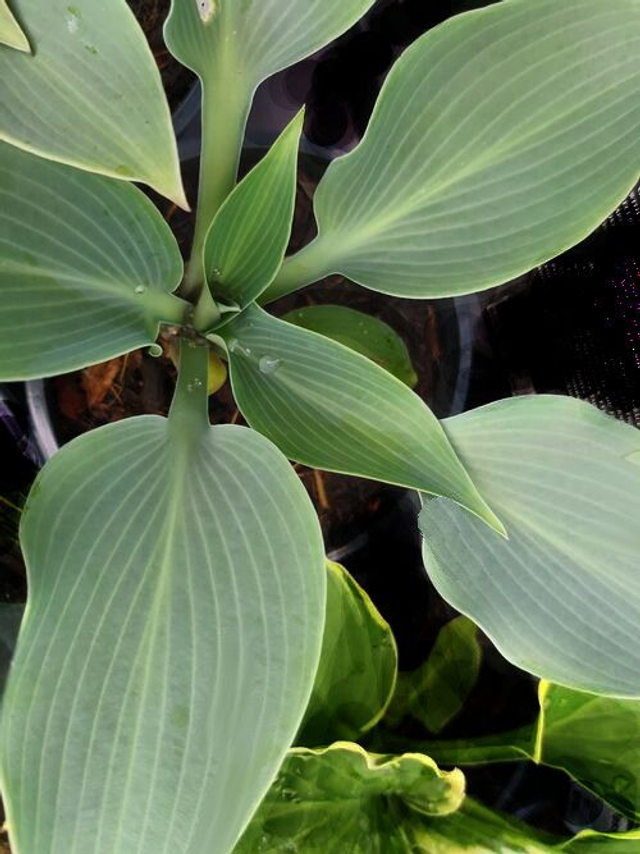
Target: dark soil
(176, 78)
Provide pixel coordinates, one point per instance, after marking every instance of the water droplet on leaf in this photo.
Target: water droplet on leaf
(140, 289)
(269, 365)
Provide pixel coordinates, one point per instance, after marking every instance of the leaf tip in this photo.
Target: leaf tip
(179, 197)
(297, 123)
(486, 514)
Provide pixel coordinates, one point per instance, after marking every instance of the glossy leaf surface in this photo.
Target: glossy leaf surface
(596, 740)
(175, 622)
(474, 829)
(436, 692)
(361, 332)
(86, 266)
(590, 842)
(358, 666)
(500, 139)
(333, 409)
(343, 799)
(561, 596)
(10, 33)
(90, 95)
(249, 236)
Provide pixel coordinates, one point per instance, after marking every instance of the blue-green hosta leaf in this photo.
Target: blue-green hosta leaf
(343, 799)
(90, 95)
(173, 630)
(86, 267)
(363, 333)
(436, 692)
(249, 235)
(561, 596)
(358, 666)
(333, 409)
(254, 38)
(233, 45)
(500, 139)
(596, 740)
(10, 32)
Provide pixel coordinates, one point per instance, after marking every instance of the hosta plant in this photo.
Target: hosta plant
(333, 795)
(176, 570)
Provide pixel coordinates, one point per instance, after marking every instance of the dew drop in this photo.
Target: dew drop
(189, 387)
(140, 289)
(72, 24)
(197, 383)
(269, 365)
(233, 345)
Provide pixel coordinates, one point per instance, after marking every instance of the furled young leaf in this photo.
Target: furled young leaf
(561, 596)
(249, 236)
(331, 408)
(360, 332)
(358, 666)
(86, 266)
(10, 32)
(436, 692)
(596, 740)
(90, 95)
(174, 626)
(343, 799)
(500, 139)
